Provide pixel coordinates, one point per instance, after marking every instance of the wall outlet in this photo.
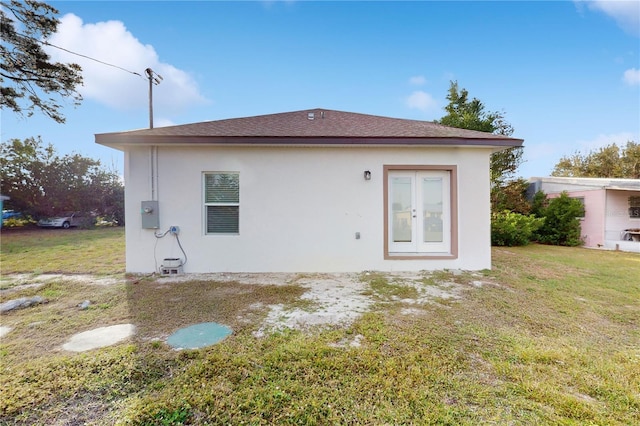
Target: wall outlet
(175, 230)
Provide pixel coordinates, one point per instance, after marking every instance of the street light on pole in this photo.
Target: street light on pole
(154, 78)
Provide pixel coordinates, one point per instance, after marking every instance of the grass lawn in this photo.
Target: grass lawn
(551, 336)
(89, 251)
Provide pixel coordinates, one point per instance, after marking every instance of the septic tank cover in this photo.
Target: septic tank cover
(198, 335)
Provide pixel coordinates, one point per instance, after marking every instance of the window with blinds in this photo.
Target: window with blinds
(222, 203)
(634, 207)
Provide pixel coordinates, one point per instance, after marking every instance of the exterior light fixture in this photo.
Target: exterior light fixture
(367, 175)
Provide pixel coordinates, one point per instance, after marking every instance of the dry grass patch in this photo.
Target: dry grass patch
(159, 309)
(550, 336)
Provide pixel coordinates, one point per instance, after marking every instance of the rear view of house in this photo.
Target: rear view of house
(307, 191)
(612, 208)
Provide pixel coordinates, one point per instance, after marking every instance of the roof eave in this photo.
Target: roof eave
(591, 183)
(120, 141)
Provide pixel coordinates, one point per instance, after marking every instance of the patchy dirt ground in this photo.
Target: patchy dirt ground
(337, 299)
(158, 306)
(14, 282)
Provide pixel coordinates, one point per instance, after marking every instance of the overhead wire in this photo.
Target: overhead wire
(46, 43)
(93, 59)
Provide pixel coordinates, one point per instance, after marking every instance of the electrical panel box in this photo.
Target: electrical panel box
(150, 215)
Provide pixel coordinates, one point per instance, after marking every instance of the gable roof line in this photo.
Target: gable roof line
(317, 126)
(116, 139)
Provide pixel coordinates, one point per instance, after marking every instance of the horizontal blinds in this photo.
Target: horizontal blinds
(223, 219)
(222, 199)
(222, 188)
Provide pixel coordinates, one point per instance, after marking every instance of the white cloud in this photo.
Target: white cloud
(163, 122)
(417, 80)
(540, 158)
(421, 101)
(110, 42)
(626, 13)
(632, 77)
(603, 140)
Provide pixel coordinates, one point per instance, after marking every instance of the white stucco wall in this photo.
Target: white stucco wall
(299, 208)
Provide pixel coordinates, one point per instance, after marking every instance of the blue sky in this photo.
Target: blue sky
(566, 74)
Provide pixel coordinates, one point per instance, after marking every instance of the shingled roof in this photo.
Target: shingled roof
(314, 126)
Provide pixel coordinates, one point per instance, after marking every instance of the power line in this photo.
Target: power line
(88, 57)
(81, 55)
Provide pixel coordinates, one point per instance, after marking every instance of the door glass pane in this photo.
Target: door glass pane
(401, 209)
(432, 210)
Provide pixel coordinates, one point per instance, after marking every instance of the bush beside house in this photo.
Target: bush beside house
(553, 222)
(513, 229)
(561, 222)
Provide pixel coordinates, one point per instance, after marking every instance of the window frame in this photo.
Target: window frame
(206, 204)
(634, 207)
(453, 212)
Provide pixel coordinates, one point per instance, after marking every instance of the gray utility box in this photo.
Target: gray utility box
(171, 266)
(150, 215)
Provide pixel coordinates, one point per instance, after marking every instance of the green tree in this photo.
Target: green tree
(42, 183)
(28, 77)
(610, 161)
(511, 196)
(108, 193)
(465, 113)
(561, 224)
(539, 203)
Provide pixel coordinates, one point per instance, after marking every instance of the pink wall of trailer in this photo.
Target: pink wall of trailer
(608, 215)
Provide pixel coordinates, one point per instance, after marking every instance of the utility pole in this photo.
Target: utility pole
(154, 78)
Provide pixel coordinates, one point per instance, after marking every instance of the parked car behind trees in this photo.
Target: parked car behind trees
(65, 221)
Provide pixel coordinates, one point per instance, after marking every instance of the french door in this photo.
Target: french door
(419, 211)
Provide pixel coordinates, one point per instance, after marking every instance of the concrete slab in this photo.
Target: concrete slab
(99, 337)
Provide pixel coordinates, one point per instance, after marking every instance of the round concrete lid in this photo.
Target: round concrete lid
(198, 335)
(99, 337)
